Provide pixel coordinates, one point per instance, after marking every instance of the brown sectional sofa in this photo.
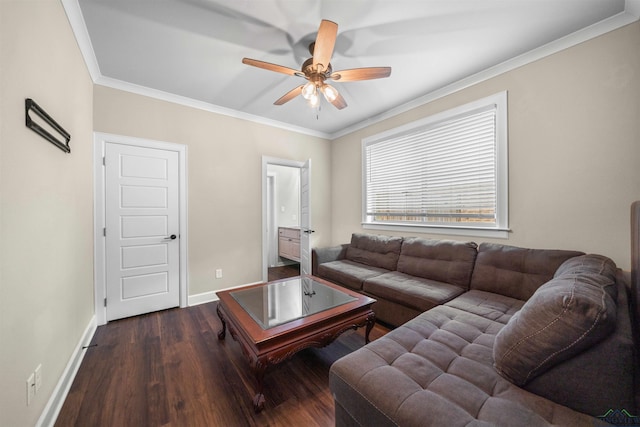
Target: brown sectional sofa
(485, 335)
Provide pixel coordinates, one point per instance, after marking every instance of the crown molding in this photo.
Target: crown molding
(630, 15)
(79, 27)
(201, 105)
(74, 14)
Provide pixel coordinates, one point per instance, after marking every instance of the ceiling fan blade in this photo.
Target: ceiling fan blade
(272, 67)
(339, 102)
(289, 95)
(325, 42)
(356, 74)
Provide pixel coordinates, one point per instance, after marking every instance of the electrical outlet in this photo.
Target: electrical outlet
(38, 377)
(31, 388)
(218, 273)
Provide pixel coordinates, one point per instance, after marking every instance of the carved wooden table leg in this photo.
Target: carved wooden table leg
(371, 320)
(223, 331)
(259, 369)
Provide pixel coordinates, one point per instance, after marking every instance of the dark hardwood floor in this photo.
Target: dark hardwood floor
(169, 369)
(283, 272)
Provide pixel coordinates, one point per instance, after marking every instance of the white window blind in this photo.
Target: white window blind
(440, 173)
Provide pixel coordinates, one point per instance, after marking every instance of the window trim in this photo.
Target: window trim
(501, 229)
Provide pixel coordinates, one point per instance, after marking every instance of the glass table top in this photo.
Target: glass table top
(280, 302)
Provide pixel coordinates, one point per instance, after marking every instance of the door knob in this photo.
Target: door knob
(172, 237)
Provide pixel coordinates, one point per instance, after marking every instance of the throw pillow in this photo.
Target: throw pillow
(565, 316)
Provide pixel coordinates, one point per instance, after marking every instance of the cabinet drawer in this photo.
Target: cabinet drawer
(290, 233)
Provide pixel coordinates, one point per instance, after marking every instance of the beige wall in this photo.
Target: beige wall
(225, 182)
(287, 195)
(574, 149)
(46, 219)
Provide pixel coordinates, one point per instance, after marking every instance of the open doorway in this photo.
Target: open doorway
(283, 221)
(285, 218)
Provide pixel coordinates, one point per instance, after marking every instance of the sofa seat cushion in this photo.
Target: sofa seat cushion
(496, 307)
(374, 250)
(565, 316)
(441, 260)
(348, 273)
(437, 370)
(415, 292)
(515, 272)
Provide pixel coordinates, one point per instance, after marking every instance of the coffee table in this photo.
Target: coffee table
(273, 321)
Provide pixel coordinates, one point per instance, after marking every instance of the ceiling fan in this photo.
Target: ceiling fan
(317, 69)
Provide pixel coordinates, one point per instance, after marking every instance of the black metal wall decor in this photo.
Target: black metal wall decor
(30, 105)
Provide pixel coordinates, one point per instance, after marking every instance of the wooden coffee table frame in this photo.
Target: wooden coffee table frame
(267, 347)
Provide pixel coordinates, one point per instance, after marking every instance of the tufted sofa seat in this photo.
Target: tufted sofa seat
(536, 338)
(437, 370)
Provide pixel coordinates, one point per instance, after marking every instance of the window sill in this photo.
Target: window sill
(433, 229)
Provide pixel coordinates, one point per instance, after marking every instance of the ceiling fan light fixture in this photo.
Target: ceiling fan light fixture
(309, 90)
(314, 100)
(330, 93)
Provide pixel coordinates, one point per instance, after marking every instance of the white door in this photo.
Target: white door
(142, 230)
(305, 218)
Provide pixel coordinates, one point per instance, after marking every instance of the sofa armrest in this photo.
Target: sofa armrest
(328, 254)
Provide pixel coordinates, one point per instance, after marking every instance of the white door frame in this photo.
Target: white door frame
(265, 240)
(272, 220)
(99, 241)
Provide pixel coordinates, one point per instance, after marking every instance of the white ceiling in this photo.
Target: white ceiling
(190, 51)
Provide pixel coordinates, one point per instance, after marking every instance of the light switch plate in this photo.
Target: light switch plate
(38, 377)
(31, 388)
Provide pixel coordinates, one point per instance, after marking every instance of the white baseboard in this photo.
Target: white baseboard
(202, 298)
(211, 296)
(51, 411)
(54, 405)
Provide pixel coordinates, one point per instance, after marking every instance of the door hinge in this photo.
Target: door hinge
(105, 302)
(104, 161)
(104, 231)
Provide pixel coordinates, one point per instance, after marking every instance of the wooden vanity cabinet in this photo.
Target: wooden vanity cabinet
(289, 243)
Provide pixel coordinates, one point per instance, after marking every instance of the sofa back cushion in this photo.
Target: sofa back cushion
(515, 272)
(565, 316)
(442, 260)
(374, 250)
(589, 264)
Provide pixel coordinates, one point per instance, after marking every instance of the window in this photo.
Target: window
(447, 172)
